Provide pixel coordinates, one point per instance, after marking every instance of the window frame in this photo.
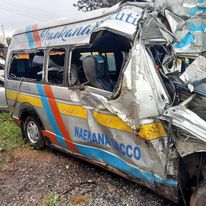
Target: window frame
(71, 49)
(66, 65)
(107, 94)
(27, 51)
(96, 90)
(44, 79)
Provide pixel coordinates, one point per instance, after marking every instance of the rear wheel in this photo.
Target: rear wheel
(33, 132)
(198, 197)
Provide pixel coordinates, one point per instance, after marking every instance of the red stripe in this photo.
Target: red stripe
(58, 118)
(50, 135)
(17, 121)
(36, 36)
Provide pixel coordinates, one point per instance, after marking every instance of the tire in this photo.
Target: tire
(198, 197)
(33, 132)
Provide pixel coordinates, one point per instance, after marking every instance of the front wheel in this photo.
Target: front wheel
(33, 132)
(198, 197)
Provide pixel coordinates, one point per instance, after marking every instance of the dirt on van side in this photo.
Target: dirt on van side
(31, 177)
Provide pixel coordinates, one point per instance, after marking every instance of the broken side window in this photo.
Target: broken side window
(56, 66)
(27, 65)
(100, 65)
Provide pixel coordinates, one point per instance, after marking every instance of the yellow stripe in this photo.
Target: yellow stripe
(111, 121)
(148, 132)
(152, 131)
(35, 101)
(72, 110)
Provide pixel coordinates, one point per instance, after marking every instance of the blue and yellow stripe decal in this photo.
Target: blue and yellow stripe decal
(148, 131)
(53, 109)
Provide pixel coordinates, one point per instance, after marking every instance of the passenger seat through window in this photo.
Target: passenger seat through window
(96, 73)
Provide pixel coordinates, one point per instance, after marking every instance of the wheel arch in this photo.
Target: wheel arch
(28, 110)
(191, 171)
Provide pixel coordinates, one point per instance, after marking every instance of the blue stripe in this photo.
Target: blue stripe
(99, 154)
(30, 38)
(120, 164)
(195, 11)
(196, 28)
(201, 1)
(50, 116)
(186, 41)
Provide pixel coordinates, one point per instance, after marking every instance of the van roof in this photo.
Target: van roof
(77, 30)
(81, 16)
(78, 17)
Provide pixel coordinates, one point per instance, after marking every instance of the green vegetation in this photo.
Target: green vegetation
(51, 200)
(10, 134)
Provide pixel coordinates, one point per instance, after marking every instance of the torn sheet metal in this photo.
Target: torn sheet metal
(188, 146)
(183, 8)
(123, 129)
(141, 83)
(124, 21)
(197, 105)
(154, 31)
(147, 78)
(173, 20)
(187, 120)
(191, 36)
(195, 72)
(187, 20)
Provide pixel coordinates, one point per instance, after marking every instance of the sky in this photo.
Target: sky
(15, 14)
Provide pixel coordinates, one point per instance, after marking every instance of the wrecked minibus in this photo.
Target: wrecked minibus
(123, 88)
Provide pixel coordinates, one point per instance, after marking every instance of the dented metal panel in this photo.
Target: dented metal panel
(139, 129)
(187, 120)
(196, 72)
(124, 21)
(140, 73)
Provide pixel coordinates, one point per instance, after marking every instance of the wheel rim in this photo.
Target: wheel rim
(33, 132)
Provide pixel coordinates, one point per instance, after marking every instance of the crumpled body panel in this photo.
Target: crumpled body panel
(139, 128)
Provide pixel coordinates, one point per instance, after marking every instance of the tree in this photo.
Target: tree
(89, 5)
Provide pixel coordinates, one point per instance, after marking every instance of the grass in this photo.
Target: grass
(10, 134)
(51, 200)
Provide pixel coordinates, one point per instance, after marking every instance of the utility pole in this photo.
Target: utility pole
(2, 29)
(4, 36)
(3, 43)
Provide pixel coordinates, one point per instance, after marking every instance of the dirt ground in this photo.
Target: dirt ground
(31, 177)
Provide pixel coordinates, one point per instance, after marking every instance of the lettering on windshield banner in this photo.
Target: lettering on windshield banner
(102, 139)
(47, 36)
(130, 18)
(67, 32)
